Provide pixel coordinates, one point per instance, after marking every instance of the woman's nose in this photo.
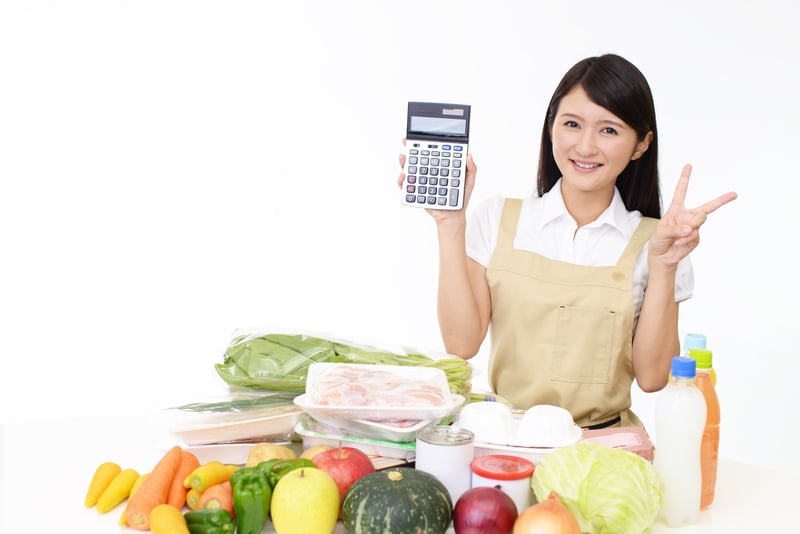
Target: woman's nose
(586, 143)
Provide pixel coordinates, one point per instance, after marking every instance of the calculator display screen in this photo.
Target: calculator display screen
(438, 125)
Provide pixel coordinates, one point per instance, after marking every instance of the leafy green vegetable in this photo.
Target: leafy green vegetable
(608, 490)
(280, 362)
(241, 405)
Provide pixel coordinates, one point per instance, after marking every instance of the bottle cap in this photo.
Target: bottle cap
(684, 367)
(702, 357)
(694, 341)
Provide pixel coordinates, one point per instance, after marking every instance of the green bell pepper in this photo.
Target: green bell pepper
(208, 521)
(251, 498)
(281, 467)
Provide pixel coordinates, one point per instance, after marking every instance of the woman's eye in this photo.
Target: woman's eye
(609, 130)
(571, 124)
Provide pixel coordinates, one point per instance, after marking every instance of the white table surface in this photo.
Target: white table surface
(45, 469)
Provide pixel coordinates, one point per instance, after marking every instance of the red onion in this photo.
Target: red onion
(484, 510)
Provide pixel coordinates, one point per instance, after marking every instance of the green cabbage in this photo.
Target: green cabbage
(608, 490)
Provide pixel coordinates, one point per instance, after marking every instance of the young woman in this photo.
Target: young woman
(579, 285)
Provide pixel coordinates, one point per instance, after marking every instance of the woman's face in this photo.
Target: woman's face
(591, 145)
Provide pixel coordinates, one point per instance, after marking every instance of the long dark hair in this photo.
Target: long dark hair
(616, 84)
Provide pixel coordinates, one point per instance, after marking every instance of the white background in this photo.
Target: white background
(174, 170)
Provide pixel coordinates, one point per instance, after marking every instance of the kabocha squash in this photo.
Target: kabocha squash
(399, 500)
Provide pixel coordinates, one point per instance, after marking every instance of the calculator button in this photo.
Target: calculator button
(445, 147)
(455, 183)
(426, 152)
(441, 201)
(411, 198)
(445, 162)
(456, 173)
(457, 163)
(424, 161)
(411, 179)
(433, 180)
(420, 199)
(458, 148)
(410, 188)
(434, 171)
(443, 181)
(454, 197)
(423, 170)
(431, 200)
(436, 154)
(442, 191)
(412, 160)
(414, 151)
(422, 190)
(457, 155)
(445, 154)
(444, 172)
(412, 170)
(423, 180)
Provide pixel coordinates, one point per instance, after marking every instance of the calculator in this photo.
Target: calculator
(437, 138)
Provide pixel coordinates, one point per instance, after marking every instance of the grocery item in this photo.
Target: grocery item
(154, 490)
(446, 453)
(207, 521)
(680, 418)
(511, 474)
(305, 501)
(608, 490)
(177, 491)
(709, 448)
(102, 477)
(548, 516)
(117, 491)
(251, 500)
(400, 500)
(218, 497)
(166, 519)
(484, 509)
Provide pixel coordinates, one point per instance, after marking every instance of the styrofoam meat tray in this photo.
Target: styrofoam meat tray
(377, 392)
(199, 430)
(316, 433)
(395, 431)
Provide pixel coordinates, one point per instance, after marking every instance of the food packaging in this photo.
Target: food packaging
(315, 433)
(630, 438)
(377, 392)
(511, 473)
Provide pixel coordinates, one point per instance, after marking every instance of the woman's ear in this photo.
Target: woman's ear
(642, 146)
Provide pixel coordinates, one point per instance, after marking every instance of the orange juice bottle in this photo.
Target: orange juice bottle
(709, 448)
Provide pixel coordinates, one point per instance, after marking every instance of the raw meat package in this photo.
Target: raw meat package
(630, 438)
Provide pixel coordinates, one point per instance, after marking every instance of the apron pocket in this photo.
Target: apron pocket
(583, 345)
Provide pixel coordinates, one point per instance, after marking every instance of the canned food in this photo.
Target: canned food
(446, 452)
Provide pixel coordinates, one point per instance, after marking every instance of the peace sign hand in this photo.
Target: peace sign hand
(678, 231)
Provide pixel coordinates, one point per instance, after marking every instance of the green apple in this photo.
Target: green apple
(305, 501)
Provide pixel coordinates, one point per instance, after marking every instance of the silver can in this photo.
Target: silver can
(446, 452)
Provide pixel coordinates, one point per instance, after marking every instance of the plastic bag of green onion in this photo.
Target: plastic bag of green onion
(279, 361)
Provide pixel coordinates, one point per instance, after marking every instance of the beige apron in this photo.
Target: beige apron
(561, 333)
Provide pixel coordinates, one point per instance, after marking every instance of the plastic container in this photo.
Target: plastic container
(709, 449)
(511, 473)
(680, 418)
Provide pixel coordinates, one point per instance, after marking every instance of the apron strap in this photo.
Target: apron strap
(509, 222)
(642, 234)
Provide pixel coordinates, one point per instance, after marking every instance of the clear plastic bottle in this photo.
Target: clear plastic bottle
(680, 418)
(709, 449)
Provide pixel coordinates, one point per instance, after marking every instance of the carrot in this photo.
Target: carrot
(218, 496)
(207, 475)
(177, 493)
(134, 489)
(102, 477)
(117, 491)
(154, 490)
(193, 498)
(166, 519)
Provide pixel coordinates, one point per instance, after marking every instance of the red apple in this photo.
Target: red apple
(345, 465)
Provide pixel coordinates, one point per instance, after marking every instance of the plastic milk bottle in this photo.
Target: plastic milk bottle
(680, 418)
